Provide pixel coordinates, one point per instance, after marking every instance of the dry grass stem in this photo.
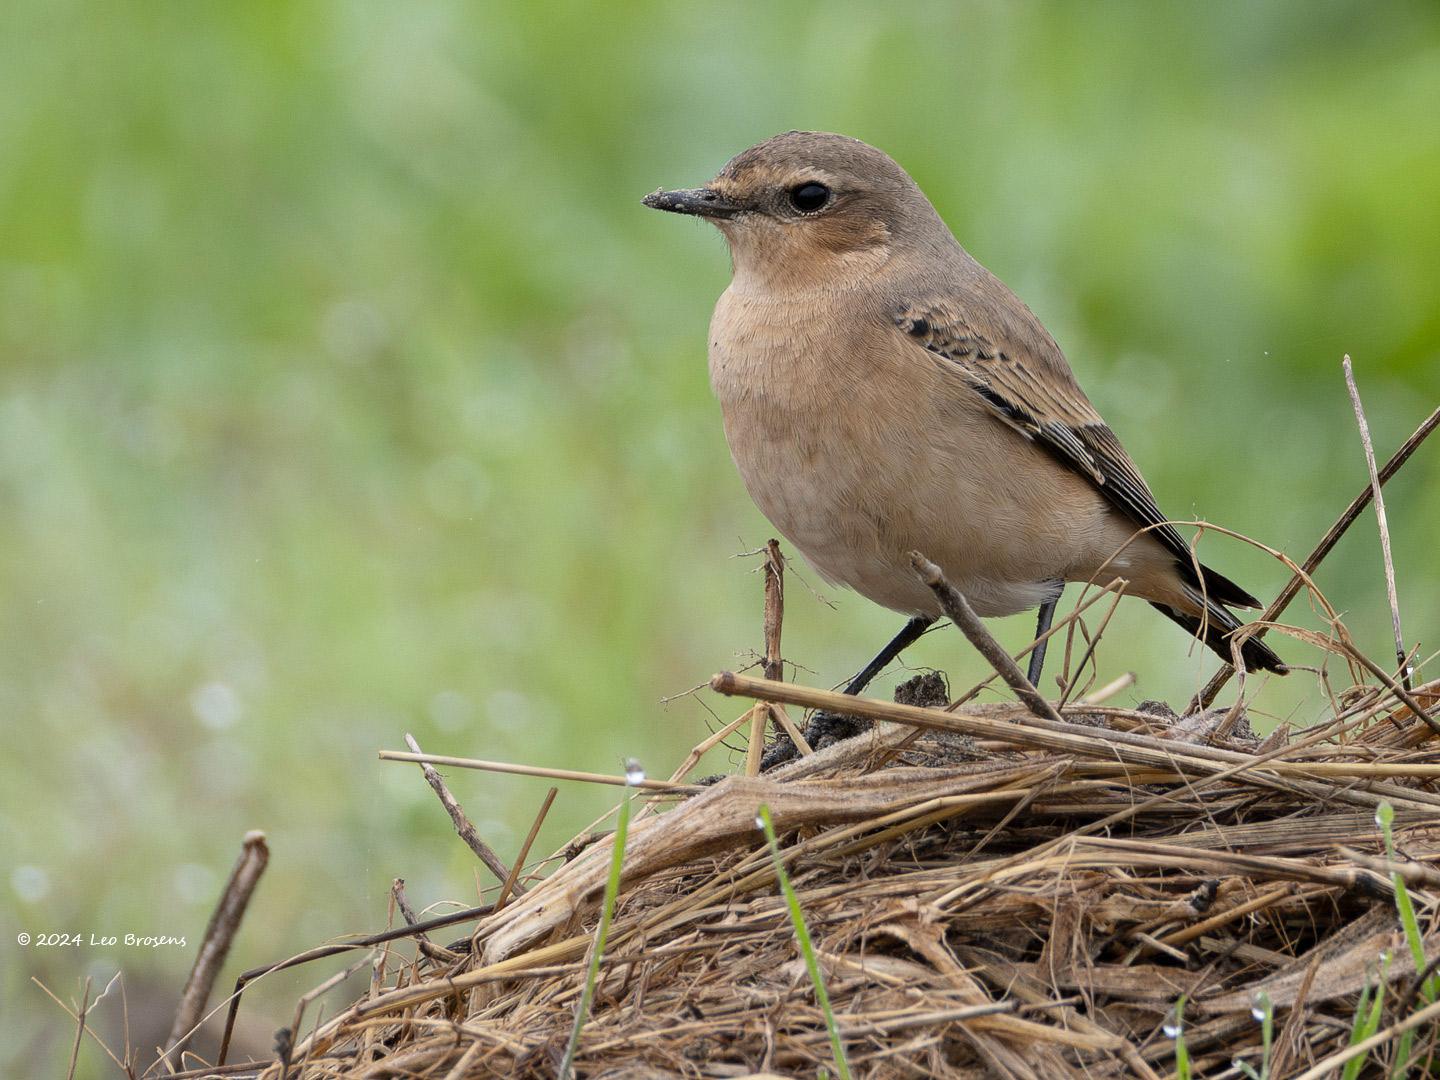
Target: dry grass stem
(1379, 500)
(532, 770)
(463, 825)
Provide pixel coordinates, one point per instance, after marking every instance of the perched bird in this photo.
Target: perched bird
(884, 393)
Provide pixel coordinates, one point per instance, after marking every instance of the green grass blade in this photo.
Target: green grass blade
(1367, 1019)
(633, 776)
(1175, 1029)
(1385, 818)
(802, 936)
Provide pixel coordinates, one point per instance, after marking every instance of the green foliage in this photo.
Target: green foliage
(346, 389)
(1414, 937)
(607, 912)
(1175, 1029)
(807, 948)
(1367, 1019)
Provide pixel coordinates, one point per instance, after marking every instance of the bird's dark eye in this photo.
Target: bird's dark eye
(807, 198)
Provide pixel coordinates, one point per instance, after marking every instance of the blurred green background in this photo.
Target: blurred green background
(347, 390)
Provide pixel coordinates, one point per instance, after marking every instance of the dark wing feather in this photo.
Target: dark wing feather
(1037, 395)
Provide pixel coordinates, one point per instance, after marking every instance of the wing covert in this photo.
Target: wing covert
(1038, 396)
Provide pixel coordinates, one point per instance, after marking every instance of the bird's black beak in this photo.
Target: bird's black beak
(703, 202)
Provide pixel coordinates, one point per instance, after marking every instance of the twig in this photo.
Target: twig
(774, 609)
(215, 945)
(438, 953)
(509, 886)
(773, 664)
(467, 1059)
(79, 1030)
(1360, 421)
(535, 770)
(463, 825)
(1404, 695)
(1414, 873)
(1090, 644)
(963, 615)
(758, 714)
(702, 748)
(781, 717)
(1322, 549)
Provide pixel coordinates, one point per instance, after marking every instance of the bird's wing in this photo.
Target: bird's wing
(1031, 388)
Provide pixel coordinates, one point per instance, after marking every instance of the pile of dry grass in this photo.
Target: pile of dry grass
(1003, 895)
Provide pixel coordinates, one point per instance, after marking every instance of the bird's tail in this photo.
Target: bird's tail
(1215, 629)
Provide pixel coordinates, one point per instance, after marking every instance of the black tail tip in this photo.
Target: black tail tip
(1260, 657)
(1216, 631)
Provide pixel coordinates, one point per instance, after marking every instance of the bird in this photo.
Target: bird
(883, 393)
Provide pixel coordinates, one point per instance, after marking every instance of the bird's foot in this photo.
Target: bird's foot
(780, 752)
(827, 728)
(824, 729)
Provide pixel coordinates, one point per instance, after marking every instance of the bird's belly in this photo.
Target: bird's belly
(856, 495)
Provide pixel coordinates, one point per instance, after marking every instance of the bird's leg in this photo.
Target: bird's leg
(825, 727)
(908, 635)
(828, 727)
(1042, 626)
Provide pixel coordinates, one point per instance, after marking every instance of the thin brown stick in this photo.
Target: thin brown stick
(535, 770)
(1089, 653)
(467, 1059)
(774, 665)
(79, 1030)
(437, 953)
(774, 609)
(509, 886)
(215, 945)
(754, 749)
(781, 717)
(1414, 873)
(463, 825)
(959, 611)
(700, 749)
(1379, 500)
(1400, 692)
(1239, 911)
(1322, 549)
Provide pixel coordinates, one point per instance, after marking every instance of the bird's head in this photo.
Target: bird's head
(807, 209)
